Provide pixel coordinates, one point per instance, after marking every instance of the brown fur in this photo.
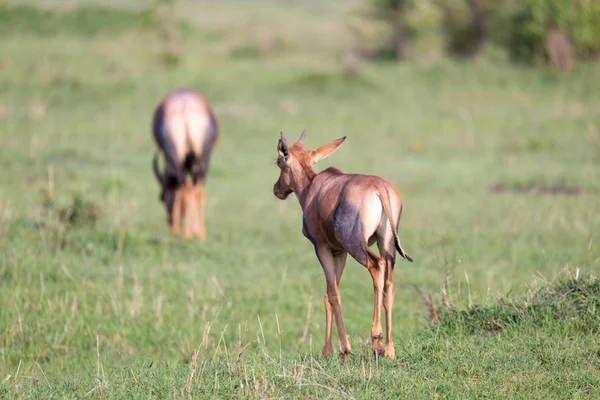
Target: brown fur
(185, 130)
(345, 214)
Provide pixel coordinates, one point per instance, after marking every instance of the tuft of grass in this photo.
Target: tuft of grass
(540, 143)
(78, 212)
(571, 305)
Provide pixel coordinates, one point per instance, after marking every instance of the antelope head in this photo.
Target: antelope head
(168, 186)
(296, 164)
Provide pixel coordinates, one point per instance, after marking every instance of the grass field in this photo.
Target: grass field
(499, 167)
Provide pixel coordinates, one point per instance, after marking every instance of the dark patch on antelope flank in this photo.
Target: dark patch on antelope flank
(553, 190)
(350, 231)
(306, 233)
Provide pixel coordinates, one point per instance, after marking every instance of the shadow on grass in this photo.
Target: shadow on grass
(537, 189)
(329, 82)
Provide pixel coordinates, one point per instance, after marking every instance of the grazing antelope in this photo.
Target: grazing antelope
(345, 214)
(185, 130)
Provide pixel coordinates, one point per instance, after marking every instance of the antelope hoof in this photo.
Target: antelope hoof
(327, 351)
(345, 355)
(390, 352)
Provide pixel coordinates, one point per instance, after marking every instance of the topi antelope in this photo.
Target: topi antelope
(341, 214)
(185, 130)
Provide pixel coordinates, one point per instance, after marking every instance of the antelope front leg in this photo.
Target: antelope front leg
(332, 297)
(388, 302)
(340, 263)
(176, 213)
(377, 270)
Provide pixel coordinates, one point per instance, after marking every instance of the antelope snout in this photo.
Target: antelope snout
(280, 193)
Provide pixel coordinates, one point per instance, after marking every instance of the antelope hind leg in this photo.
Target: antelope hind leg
(188, 211)
(200, 199)
(387, 252)
(388, 303)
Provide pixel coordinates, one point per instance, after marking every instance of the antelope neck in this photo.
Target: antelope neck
(303, 183)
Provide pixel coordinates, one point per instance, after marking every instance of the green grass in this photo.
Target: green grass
(96, 297)
(88, 21)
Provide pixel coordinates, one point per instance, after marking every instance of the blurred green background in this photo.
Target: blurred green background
(493, 144)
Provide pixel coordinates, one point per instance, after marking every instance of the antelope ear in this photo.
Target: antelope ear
(302, 137)
(282, 149)
(327, 149)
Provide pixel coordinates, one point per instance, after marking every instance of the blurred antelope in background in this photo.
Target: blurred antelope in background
(345, 214)
(185, 130)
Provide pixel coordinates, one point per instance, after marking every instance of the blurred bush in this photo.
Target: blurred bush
(466, 24)
(527, 30)
(424, 24)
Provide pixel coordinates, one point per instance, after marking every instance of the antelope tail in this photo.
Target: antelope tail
(385, 201)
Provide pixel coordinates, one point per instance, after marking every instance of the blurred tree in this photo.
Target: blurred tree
(466, 24)
(393, 11)
(467, 40)
(165, 12)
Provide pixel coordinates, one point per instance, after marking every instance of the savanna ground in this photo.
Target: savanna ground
(499, 167)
